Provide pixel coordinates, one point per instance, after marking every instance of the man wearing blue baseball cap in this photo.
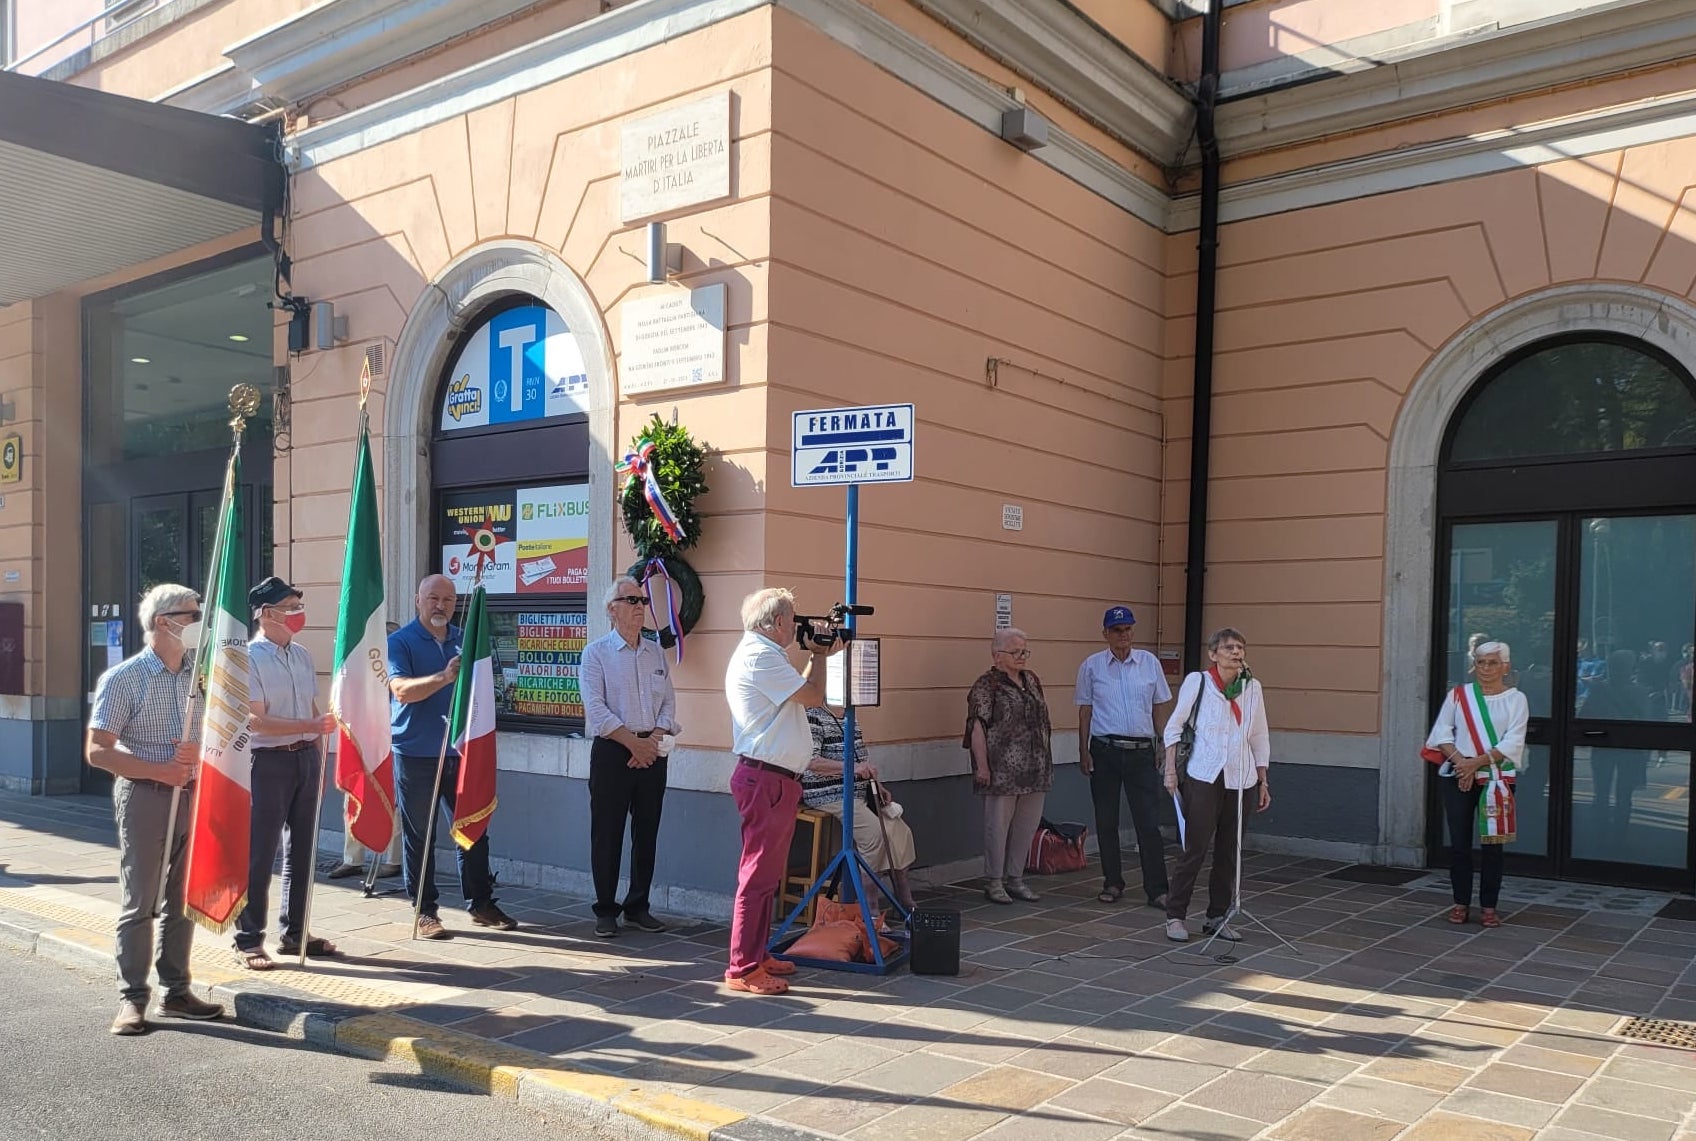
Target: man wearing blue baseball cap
(1117, 691)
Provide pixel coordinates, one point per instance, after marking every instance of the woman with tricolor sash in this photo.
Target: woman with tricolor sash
(1480, 734)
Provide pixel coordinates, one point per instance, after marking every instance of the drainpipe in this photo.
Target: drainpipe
(1206, 288)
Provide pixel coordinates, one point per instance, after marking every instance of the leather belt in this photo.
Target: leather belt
(292, 747)
(768, 767)
(1124, 742)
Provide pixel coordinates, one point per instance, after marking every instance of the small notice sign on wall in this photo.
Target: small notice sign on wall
(672, 339)
(676, 158)
(1012, 517)
(1003, 611)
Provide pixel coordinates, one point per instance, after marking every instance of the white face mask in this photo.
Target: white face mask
(189, 635)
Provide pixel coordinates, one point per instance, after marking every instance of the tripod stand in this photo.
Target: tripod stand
(1236, 911)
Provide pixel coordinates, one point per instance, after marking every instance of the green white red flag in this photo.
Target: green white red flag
(223, 802)
(472, 726)
(359, 690)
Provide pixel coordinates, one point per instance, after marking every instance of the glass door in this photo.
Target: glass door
(1600, 614)
(1631, 733)
(1502, 587)
(173, 537)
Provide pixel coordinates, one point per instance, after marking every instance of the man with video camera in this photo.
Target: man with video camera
(768, 699)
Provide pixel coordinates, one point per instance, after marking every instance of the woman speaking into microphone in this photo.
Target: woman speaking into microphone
(1217, 750)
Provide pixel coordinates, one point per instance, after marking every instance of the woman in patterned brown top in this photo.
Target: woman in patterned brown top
(1007, 731)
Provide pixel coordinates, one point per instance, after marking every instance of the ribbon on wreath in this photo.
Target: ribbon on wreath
(671, 633)
(639, 466)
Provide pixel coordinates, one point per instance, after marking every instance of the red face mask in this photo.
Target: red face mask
(296, 622)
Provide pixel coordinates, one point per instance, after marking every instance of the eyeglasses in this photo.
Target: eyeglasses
(287, 610)
(1021, 655)
(632, 599)
(191, 615)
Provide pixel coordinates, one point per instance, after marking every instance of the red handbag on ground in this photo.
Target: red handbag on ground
(1057, 848)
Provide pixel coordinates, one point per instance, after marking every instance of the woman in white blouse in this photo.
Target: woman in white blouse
(1228, 763)
(1499, 715)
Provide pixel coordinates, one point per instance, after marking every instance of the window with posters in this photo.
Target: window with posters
(509, 465)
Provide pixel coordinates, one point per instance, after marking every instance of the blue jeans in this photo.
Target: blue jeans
(415, 776)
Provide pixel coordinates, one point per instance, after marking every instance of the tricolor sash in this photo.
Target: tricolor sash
(1496, 822)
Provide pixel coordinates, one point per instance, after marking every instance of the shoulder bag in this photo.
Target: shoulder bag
(1186, 738)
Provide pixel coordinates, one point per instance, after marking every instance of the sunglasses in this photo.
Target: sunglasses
(632, 599)
(191, 615)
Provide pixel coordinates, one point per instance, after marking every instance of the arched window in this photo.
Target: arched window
(1575, 397)
(510, 481)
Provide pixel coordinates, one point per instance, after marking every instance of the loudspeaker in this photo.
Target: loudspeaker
(936, 941)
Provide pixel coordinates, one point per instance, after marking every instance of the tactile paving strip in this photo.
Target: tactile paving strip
(319, 983)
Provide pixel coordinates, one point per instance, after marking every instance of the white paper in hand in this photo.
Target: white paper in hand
(1179, 805)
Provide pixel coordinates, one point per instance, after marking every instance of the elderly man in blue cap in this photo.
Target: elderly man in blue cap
(1117, 691)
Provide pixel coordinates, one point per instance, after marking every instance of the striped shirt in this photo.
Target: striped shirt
(625, 685)
(141, 703)
(816, 788)
(283, 679)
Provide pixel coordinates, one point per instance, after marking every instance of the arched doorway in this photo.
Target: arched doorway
(1566, 499)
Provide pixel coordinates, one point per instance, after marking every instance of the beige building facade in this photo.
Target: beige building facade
(1451, 342)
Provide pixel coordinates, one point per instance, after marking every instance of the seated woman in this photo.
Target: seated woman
(821, 790)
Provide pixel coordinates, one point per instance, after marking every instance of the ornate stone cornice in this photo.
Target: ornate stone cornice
(1068, 56)
(334, 43)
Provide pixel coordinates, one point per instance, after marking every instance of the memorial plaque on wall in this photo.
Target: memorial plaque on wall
(675, 158)
(672, 339)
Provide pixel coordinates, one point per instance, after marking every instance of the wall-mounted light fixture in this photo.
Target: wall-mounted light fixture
(1024, 128)
(330, 329)
(664, 258)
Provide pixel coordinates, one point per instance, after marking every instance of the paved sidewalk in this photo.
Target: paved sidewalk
(1072, 1019)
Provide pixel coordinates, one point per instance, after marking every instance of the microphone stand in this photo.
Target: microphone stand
(1237, 911)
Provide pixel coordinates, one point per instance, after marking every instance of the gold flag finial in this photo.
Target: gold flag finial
(364, 382)
(244, 402)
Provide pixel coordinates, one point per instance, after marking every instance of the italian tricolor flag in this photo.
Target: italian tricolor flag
(359, 692)
(472, 728)
(223, 804)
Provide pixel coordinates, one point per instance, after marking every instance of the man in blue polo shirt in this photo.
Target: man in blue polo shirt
(423, 666)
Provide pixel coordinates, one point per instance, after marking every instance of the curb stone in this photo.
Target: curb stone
(613, 1107)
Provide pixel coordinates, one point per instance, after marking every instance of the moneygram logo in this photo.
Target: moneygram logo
(463, 400)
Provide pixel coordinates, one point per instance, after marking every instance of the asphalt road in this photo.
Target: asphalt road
(63, 1076)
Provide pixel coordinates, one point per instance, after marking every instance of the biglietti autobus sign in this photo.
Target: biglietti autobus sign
(870, 444)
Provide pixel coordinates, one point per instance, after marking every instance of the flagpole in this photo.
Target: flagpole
(244, 402)
(324, 747)
(424, 869)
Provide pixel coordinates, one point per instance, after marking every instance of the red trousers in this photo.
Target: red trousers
(767, 802)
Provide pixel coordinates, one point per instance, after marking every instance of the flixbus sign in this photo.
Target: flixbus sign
(868, 444)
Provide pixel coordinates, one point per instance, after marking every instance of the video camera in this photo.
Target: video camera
(824, 631)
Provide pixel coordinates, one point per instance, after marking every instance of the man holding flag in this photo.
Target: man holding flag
(424, 666)
(141, 730)
(287, 772)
